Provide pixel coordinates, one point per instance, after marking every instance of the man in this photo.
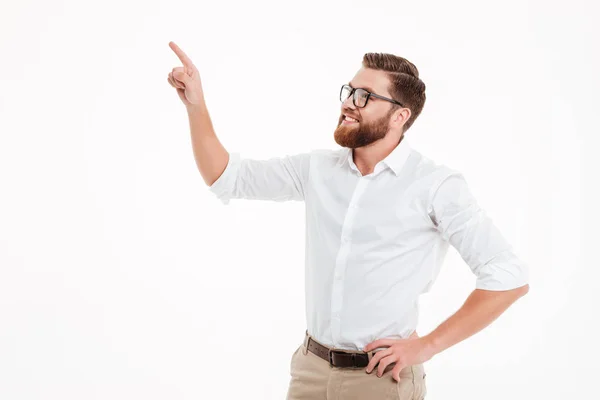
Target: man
(379, 219)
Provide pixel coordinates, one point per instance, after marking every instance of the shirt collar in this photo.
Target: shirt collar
(395, 160)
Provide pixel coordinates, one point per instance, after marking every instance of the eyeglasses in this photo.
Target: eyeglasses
(361, 96)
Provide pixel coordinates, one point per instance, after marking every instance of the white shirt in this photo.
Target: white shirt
(374, 243)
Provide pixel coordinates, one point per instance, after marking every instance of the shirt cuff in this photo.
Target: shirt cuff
(224, 185)
(502, 276)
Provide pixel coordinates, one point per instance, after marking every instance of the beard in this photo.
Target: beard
(361, 133)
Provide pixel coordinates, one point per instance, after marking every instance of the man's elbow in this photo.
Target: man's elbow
(522, 290)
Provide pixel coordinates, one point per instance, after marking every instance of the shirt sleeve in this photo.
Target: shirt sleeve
(467, 227)
(277, 178)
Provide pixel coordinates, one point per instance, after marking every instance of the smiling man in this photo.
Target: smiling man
(380, 217)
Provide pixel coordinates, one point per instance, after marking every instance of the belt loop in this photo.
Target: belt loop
(330, 357)
(305, 343)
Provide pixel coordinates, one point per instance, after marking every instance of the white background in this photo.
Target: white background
(123, 277)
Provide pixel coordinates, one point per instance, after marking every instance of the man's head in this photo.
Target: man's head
(385, 75)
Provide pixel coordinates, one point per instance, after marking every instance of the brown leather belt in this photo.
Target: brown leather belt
(337, 358)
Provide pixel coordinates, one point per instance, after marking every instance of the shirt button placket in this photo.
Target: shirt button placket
(342, 261)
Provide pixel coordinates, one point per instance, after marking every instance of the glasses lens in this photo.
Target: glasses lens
(360, 97)
(345, 93)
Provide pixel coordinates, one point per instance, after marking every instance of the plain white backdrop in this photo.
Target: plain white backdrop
(123, 277)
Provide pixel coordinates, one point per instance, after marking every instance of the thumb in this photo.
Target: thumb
(182, 77)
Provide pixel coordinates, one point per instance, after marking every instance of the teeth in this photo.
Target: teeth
(350, 119)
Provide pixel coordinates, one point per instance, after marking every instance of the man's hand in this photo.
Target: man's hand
(186, 79)
(404, 352)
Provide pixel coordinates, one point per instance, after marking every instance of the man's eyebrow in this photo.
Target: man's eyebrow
(364, 87)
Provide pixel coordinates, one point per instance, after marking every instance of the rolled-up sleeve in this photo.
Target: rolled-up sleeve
(278, 178)
(467, 227)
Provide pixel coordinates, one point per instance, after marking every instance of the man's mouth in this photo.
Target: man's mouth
(349, 120)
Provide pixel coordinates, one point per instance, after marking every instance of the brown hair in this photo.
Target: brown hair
(405, 86)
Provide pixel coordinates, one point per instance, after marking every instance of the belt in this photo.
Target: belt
(337, 358)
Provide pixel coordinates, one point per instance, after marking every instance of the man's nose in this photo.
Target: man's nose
(348, 103)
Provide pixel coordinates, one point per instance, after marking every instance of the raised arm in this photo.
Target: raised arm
(211, 157)
(228, 175)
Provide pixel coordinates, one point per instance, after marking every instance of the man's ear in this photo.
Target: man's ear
(402, 113)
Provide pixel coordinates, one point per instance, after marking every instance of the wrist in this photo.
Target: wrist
(196, 108)
(432, 344)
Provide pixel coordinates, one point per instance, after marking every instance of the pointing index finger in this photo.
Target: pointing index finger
(182, 56)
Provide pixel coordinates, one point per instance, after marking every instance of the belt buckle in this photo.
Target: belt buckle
(330, 356)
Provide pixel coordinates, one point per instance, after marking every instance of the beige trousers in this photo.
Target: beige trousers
(313, 378)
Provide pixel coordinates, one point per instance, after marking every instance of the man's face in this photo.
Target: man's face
(373, 119)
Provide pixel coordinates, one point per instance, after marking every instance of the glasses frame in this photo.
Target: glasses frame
(369, 94)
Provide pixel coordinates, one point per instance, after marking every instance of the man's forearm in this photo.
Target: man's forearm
(210, 155)
(479, 310)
